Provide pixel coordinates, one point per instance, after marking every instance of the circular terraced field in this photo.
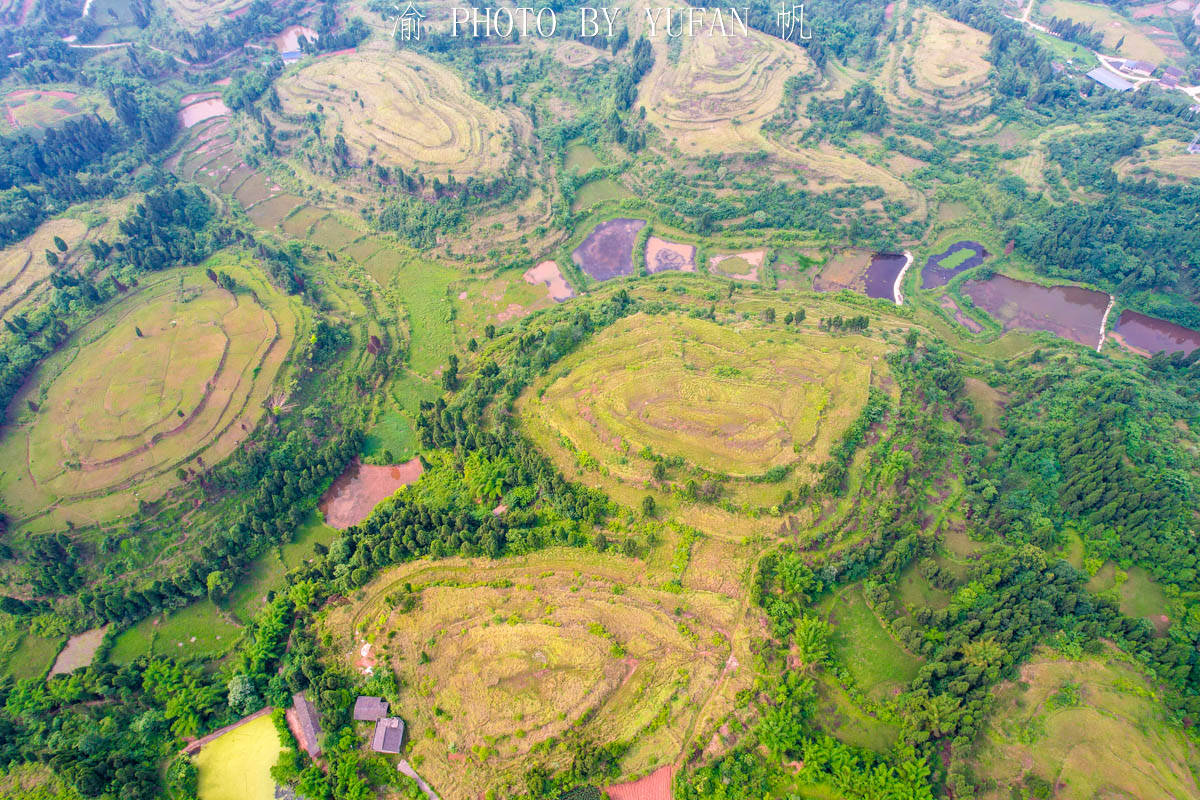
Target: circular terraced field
(174, 375)
(401, 110)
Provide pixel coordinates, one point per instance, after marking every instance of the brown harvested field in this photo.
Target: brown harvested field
(739, 266)
(845, 270)
(607, 252)
(577, 55)
(78, 651)
(501, 658)
(662, 256)
(720, 89)
(548, 273)
(655, 786)
(356, 492)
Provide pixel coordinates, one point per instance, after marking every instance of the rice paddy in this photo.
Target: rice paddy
(499, 658)
(737, 401)
(401, 109)
(171, 377)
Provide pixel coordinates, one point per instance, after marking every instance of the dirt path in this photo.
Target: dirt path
(407, 769)
(896, 294)
(1112, 301)
(193, 747)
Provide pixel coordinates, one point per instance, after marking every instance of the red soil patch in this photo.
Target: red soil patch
(356, 492)
(548, 273)
(194, 114)
(655, 786)
(662, 255)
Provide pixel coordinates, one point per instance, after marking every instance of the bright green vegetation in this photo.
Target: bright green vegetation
(237, 765)
(598, 191)
(33, 656)
(197, 630)
(581, 158)
(876, 661)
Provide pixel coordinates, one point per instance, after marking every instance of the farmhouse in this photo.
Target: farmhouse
(389, 735)
(1173, 72)
(1143, 68)
(305, 724)
(1110, 79)
(370, 709)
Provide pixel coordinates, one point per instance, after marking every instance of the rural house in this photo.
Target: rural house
(370, 709)
(305, 724)
(1143, 68)
(389, 735)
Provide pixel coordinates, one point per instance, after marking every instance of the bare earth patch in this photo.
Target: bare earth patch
(739, 266)
(548, 273)
(356, 492)
(662, 256)
(78, 651)
(655, 786)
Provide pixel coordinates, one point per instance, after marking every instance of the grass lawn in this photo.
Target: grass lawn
(249, 595)
(196, 630)
(33, 656)
(582, 158)
(310, 532)
(877, 662)
(840, 717)
(598, 191)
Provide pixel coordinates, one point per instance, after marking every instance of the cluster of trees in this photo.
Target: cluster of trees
(262, 19)
(1082, 33)
(862, 108)
(64, 150)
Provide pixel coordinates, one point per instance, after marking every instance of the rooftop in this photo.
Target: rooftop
(308, 726)
(1110, 79)
(389, 735)
(370, 709)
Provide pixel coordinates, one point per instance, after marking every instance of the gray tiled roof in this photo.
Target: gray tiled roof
(370, 709)
(1110, 79)
(308, 723)
(389, 735)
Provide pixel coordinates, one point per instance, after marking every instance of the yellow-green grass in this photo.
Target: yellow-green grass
(237, 765)
(392, 433)
(949, 59)
(1113, 741)
(118, 414)
(1139, 595)
(23, 264)
(598, 191)
(877, 662)
(716, 95)
(839, 716)
(42, 108)
(192, 15)
(1113, 26)
(311, 532)
(733, 400)
(497, 301)
(198, 630)
(498, 657)
(582, 158)
(414, 113)
(249, 596)
(33, 656)
(913, 590)
(1166, 158)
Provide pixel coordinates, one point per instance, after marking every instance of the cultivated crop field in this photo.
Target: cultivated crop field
(719, 91)
(1092, 728)
(27, 109)
(497, 658)
(401, 109)
(174, 375)
(731, 400)
(1135, 42)
(195, 14)
(24, 264)
(949, 57)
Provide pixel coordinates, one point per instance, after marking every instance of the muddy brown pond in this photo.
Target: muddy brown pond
(1072, 312)
(1150, 335)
